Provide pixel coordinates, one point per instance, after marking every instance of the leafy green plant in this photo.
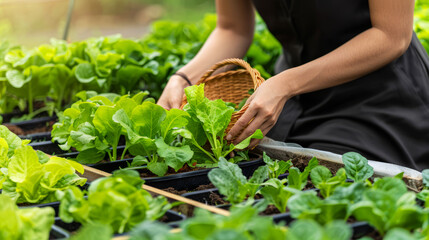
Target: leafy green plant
(357, 167)
(306, 205)
(231, 182)
(424, 194)
(322, 178)
(276, 193)
(276, 167)
(208, 122)
(26, 223)
(88, 125)
(242, 223)
(152, 135)
(117, 201)
(309, 229)
(298, 179)
(29, 176)
(387, 205)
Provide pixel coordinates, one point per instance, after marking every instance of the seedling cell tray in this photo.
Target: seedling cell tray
(172, 219)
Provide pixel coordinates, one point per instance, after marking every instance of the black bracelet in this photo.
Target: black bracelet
(184, 77)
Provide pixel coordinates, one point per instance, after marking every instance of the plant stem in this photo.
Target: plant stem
(30, 98)
(123, 153)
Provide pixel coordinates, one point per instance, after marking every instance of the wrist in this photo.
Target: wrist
(177, 81)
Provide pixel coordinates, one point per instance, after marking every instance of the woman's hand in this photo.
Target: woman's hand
(265, 106)
(173, 93)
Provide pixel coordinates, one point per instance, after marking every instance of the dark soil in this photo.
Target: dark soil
(171, 171)
(270, 210)
(20, 131)
(216, 199)
(199, 188)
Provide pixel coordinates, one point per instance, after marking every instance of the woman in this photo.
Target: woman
(353, 76)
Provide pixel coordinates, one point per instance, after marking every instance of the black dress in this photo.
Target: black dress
(384, 115)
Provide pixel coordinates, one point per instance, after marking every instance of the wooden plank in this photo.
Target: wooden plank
(91, 174)
(187, 200)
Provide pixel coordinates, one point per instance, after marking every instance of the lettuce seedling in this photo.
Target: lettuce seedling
(152, 135)
(424, 194)
(387, 205)
(89, 127)
(298, 179)
(322, 178)
(231, 182)
(29, 176)
(276, 193)
(25, 223)
(357, 167)
(309, 229)
(306, 205)
(118, 201)
(276, 167)
(208, 122)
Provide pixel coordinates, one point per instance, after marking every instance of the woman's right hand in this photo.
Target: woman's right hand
(173, 93)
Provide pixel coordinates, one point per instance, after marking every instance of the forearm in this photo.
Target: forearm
(230, 39)
(221, 44)
(360, 56)
(388, 39)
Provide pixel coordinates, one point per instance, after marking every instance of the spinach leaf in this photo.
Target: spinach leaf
(298, 180)
(276, 167)
(357, 167)
(231, 182)
(388, 205)
(306, 205)
(322, 179)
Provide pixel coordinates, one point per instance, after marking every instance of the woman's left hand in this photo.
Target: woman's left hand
(265, 106)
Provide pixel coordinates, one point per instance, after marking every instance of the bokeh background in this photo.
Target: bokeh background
(34, 22)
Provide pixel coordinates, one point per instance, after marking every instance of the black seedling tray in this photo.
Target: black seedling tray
(58, 233)
(172, 219)
(43, 136)
(193, 179)
(54, 205)
(47, 147)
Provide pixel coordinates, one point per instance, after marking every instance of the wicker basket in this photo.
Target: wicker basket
(230, 86)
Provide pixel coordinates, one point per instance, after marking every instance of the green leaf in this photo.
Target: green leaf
(85, 73)
(22, 163)
(174, 157)
(357, 167)
(90, 156)
(425, 175)
(17, 78)
(245, 143)
(148, 118)
(320, 174)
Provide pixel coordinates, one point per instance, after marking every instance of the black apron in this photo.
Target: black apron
(384, 115)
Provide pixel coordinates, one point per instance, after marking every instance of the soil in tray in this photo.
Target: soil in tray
(19, 131)
(199, 188)
(146, 174)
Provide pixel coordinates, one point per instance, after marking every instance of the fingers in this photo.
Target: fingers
(250, 129)
(242, 122)
(265, 128)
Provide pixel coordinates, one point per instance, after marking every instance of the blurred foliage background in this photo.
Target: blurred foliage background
(33, 22)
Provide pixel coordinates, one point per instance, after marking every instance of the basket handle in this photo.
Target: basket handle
(233, 61)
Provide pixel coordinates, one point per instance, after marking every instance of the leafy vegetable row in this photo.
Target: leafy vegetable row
(55, 72)
(158, 138)
(29, 176)
(384, 203)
